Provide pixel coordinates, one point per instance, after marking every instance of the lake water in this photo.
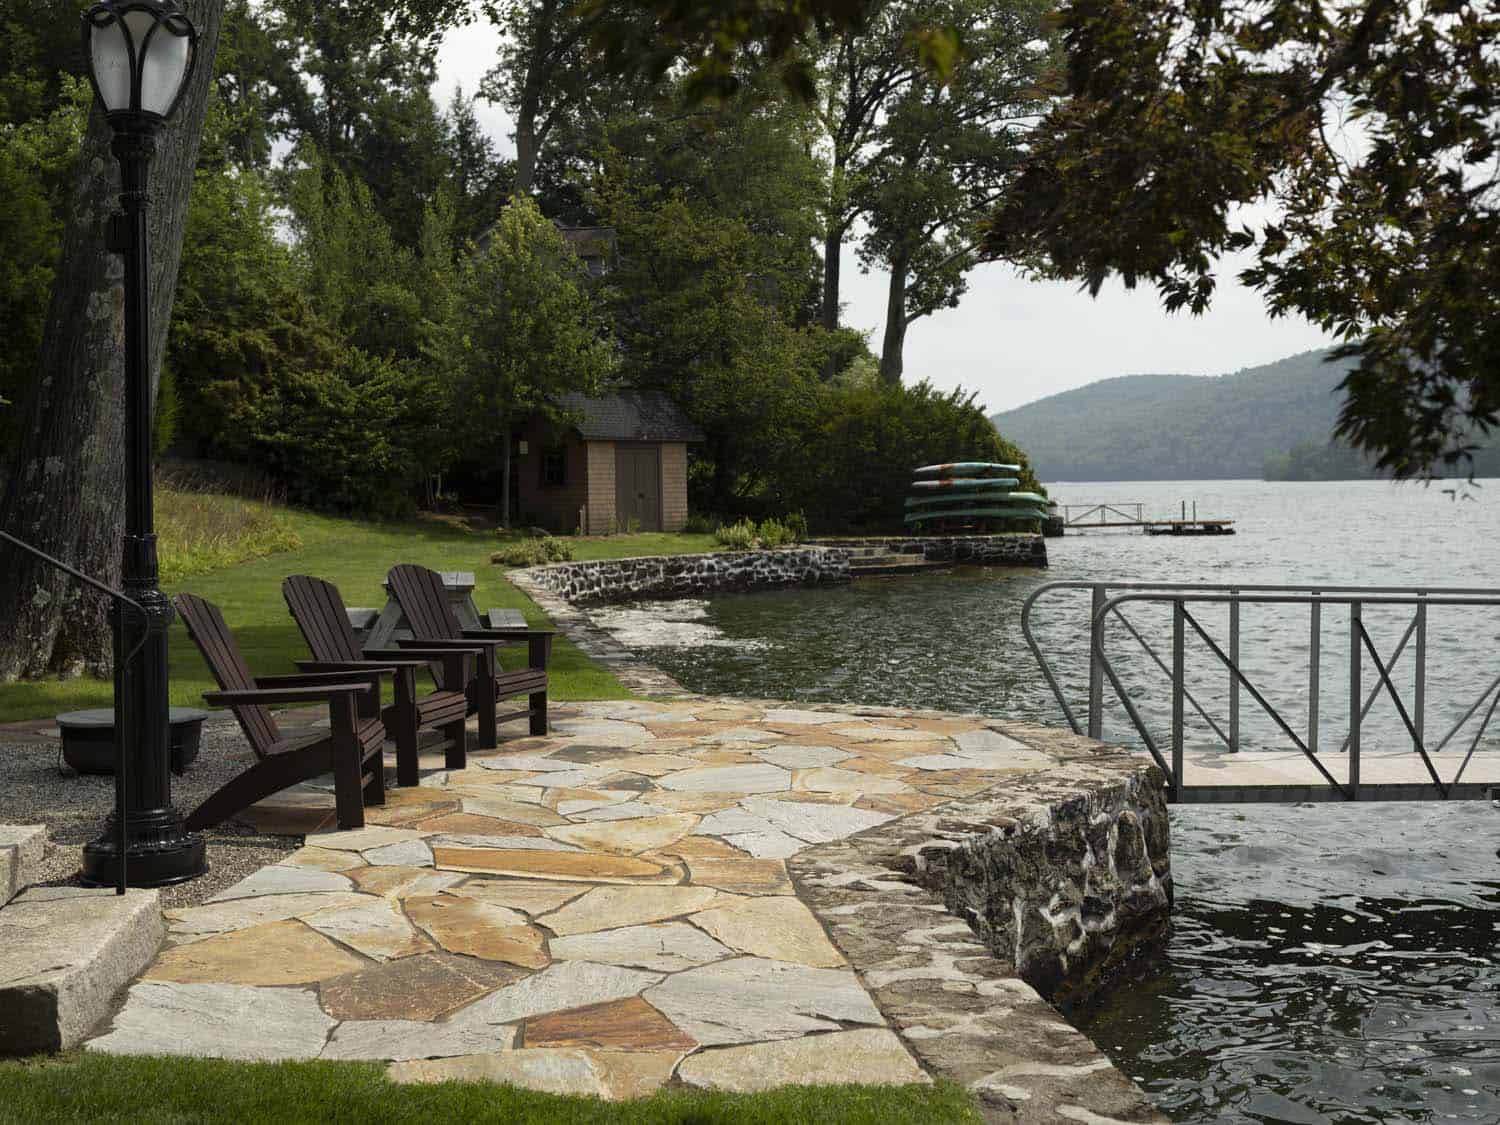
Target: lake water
(1327, 963)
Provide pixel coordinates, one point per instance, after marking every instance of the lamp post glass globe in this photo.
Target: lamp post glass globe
(141, 54)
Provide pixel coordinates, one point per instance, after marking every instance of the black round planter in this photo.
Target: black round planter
(88, 738)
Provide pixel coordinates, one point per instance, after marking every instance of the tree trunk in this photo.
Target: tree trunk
(833, 249)
(64, 474)
(525, 152)
(505, 475)
(891, 364)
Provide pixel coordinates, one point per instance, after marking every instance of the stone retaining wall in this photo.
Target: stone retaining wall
(1046, 882)
(679, 576)
(977, 550)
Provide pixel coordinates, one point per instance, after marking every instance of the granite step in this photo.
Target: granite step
(69, 951)
(22, 848)
(888, 565)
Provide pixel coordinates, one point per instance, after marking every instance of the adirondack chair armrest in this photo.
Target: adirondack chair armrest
(538, 642)
(507, 634)
(370, 675)
(455, 662)
(471, 645)
(381, 667)
(264, 696)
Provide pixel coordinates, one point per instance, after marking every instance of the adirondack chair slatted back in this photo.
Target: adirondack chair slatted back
(425, 602)
(206, 626)
(318, 610)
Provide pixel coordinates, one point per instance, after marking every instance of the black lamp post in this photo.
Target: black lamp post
(141, 54)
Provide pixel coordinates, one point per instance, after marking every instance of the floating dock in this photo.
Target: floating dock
(1130, 517)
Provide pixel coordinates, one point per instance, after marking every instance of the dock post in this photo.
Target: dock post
(1421, 686)
(1314, 661)
(1096, 666)
(1179, 688)
(1354, 698)
(1234, 660)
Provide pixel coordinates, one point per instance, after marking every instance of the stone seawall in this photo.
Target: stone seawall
(970, 920)
(976, 550)
(680, 576)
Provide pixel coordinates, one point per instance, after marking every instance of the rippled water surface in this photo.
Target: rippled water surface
(1327, 963)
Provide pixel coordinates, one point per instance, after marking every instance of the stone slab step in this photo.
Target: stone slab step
(22, 848)
(68, 952)
(885, 570)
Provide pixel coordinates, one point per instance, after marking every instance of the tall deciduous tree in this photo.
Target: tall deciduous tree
(523, 332)
(64, 470)
(717, 213)
(1367, 129)
(938, 153)
(552, 78)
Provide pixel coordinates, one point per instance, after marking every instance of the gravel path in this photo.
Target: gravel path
(33, 790)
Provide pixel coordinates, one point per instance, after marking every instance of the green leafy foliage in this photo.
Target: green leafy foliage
(1366, 131)
(865, 438)
(738, 536)
(534, 552)
(36, 158)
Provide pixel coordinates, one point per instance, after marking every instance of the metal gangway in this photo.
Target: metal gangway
(1301, 767)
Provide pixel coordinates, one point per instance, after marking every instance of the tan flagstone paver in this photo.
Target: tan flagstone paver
(779, 928)
(280, 879)
(324, 859)
(503, 808)
(740, 876)
(412, 1039)
(376, 927)
(414, 988)
(624, 1025)
(616, 1075)
(479, 929)
(587, 867)
(873, 1056)
(629, 837)
(400, 881)
(276, 953)
(470, 824)
(832, 779)
(662, 946)
(591, 912)
(526, 895)
(606, 908)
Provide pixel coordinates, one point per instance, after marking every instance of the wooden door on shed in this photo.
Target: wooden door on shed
(638, 486)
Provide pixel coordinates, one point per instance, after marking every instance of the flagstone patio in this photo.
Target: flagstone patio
(600, 911)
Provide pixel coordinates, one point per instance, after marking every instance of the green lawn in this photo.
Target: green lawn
(101, 1088)
(354, 556)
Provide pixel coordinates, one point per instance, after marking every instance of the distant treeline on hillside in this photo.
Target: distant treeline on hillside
(1336, 461)
(1180, 427)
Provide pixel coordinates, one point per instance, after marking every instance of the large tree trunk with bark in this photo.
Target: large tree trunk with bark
(64, 474)
(891, 364)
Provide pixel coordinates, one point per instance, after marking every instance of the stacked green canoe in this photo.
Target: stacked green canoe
(972, 496)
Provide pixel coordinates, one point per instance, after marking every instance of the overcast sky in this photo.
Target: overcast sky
(1014, 341)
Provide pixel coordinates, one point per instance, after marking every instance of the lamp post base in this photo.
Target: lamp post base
(159, 852)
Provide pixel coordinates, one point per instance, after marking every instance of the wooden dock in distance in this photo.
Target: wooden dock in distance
(1129, 517)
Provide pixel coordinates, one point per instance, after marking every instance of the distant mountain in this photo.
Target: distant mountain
(1180, 427)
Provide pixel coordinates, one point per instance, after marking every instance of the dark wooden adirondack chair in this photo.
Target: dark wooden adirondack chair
(425, 603)
(352, 749)
(319, 611)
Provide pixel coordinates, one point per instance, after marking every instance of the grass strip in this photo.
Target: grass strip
(91, 1088)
